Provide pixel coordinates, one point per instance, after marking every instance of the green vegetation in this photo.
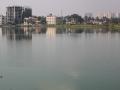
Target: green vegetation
(77, 26)
(89, 26)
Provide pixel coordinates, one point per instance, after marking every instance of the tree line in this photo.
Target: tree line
(77, 19)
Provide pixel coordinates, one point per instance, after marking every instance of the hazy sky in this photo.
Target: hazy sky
(44, 7)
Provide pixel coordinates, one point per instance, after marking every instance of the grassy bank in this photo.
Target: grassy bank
(89, 26)
(77, 26)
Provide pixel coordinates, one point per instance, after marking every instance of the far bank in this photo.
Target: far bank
(88, 26)
(75, 26)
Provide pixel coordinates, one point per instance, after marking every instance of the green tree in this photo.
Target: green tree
(42, 19)
(74, 18)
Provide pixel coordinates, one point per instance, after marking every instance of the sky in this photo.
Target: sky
(64, 7)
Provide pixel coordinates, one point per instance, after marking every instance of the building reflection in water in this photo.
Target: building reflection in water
(38, 30)
(51, 32)
(0, 32)
(18, 33)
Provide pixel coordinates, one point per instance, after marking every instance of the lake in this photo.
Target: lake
(59, 59)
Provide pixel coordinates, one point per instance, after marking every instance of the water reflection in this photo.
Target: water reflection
(38, 30)
(26, 33)
(51, 32)
(69, 30)
(17, 33)
(0, 32)
(75, 59)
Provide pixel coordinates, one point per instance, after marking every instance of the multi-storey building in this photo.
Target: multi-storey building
(27, 12)
(16, 14)
(51, 20)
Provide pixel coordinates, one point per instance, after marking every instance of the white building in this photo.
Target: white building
(2, 20)
(51, 20)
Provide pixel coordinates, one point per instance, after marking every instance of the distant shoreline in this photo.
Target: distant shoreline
(88, 26)
(75, 26)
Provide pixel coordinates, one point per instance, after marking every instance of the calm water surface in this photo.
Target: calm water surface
(59, 59)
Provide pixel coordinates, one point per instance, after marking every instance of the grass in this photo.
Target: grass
(89, 26)
(84, 26)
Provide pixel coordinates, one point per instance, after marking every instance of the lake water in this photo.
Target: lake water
(59, 59)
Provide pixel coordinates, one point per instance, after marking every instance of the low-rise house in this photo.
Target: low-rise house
(31, 21)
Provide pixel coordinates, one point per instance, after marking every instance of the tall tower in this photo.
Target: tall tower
(14, 14)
